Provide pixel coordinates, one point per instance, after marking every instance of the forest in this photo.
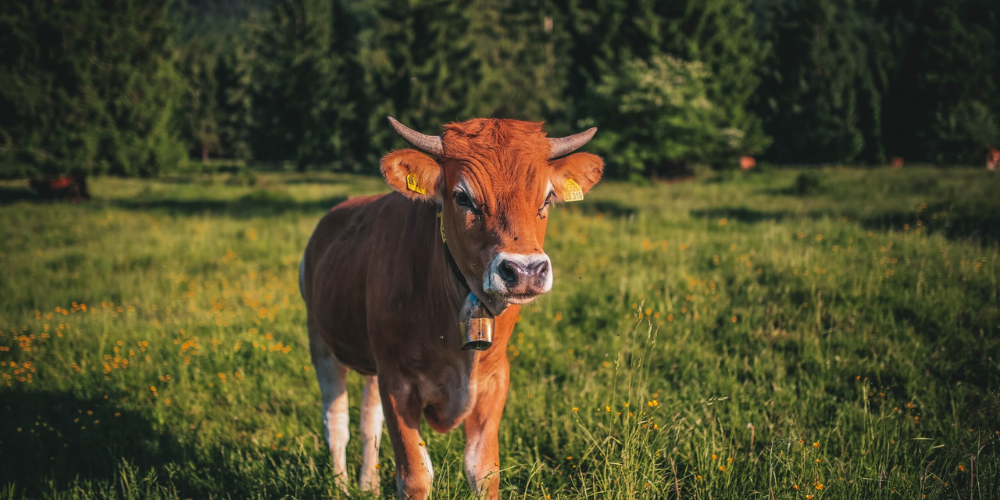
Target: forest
(144, 87)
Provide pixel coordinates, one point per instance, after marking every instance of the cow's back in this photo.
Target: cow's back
(334, 270)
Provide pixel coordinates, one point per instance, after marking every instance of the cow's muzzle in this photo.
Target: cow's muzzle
(518, 278)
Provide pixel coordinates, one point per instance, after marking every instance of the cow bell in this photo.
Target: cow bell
(476, 325)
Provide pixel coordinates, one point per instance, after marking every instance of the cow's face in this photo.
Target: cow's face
(495, 183)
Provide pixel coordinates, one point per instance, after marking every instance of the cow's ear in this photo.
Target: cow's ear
(413, 174)
(575, 174)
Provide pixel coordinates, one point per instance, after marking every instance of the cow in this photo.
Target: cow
(66, 187)
(384, 279)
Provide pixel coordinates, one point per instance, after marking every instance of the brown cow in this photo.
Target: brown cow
(383, 290)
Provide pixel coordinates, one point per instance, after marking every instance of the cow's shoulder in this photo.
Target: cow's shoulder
(387, 231)
(350, 215)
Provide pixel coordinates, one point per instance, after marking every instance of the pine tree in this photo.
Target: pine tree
(234, 98)
(824, 82)
(418, 66)
(89, 87)
(944, 104)
(605, 35)
(198, 117)
(299, 95)
(721, 34)
(514, 48)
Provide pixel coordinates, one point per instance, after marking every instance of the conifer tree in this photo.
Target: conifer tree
(198, 117)
(234, 98)
(299, 95)
(721, 34)
(944, 102)
(417, 66)
(823, 84)
(88, 87)
(514, 52)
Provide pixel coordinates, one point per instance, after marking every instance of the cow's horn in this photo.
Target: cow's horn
(562, 146)
(430, 144)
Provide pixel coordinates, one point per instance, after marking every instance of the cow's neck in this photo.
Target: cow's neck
(455, 289)
(456, 273)
(455, 285)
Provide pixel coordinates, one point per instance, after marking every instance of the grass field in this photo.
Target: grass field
(828, 334)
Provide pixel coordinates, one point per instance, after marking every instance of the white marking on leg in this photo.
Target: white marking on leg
(401, 490)
(371, 435)
(332, 377)
(427, 461)
(473, 449)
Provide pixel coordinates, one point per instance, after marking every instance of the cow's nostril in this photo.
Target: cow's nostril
(508, 271)
(539, 269)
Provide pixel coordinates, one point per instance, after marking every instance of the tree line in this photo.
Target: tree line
(140, 87)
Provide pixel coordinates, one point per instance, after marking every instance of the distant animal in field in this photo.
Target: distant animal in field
(747, 162)
(385, 278)
(66, 187)
(992, 159)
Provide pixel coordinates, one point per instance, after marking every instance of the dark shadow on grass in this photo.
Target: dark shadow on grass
(314, 179)
(54, 442)
(740, 214)
(805, 184)
(982, 227)
(54, 439)
(257, 204)
(10, 195)
(607, 208)
(185, 179)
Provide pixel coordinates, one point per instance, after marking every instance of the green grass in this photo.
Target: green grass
(838, 326)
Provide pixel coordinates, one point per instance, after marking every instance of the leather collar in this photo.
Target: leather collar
(454, 268)
(449, 257)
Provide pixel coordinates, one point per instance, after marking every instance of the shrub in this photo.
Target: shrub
(660, 118)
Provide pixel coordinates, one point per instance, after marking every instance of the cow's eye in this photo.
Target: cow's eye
(548, 201)
(463, 199)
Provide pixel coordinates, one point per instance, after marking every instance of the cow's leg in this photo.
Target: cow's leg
(332, 377)
(402, 418)
(371, 435)
(482, 451)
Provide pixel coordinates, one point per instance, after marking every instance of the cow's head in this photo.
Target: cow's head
(495, 181)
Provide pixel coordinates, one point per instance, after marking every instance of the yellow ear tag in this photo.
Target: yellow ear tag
(411, 184)
(441, 225)
(572, 191)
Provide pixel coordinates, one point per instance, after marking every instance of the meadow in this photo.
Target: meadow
(786, 334)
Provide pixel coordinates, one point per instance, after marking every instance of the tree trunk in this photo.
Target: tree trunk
(81, 182)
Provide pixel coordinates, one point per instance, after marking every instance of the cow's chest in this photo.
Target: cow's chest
(447, 392)
(429, 369)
